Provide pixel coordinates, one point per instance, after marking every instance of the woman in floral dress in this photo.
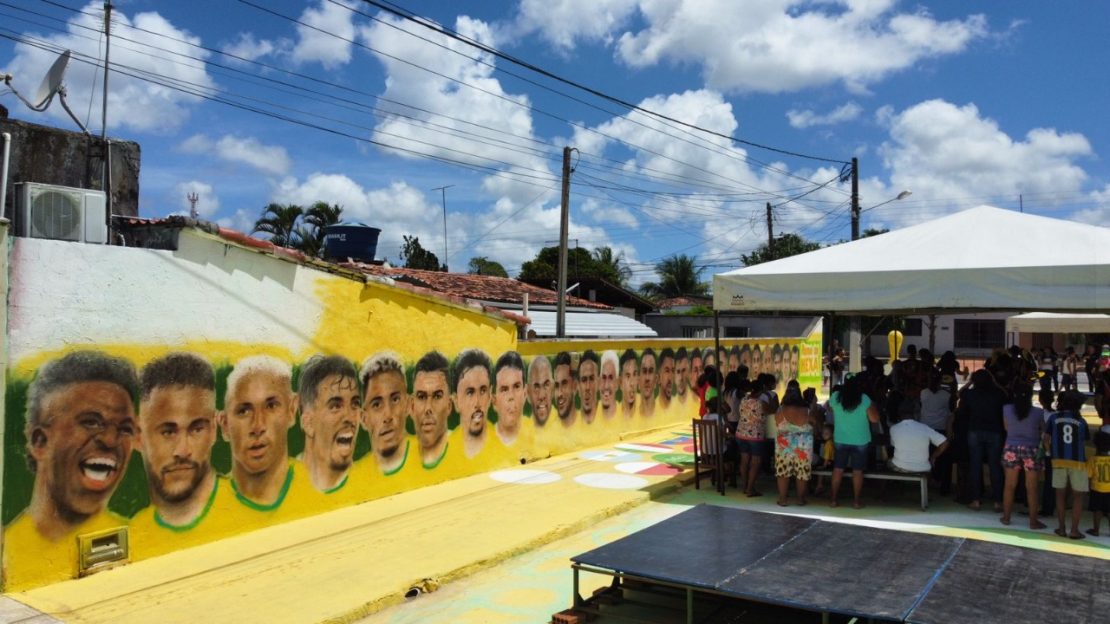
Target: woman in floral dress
(793, 445)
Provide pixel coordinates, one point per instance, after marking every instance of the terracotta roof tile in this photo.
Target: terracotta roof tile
(482, 287)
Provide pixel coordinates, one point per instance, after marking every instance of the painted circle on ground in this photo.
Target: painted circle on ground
(609, 481)
(674, 459)
(611, 456)
(635, 467)
(525, 477)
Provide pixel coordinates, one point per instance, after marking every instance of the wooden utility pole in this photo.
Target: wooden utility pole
(855, 341)
(855, 198)
(770, 232)
(564, 232)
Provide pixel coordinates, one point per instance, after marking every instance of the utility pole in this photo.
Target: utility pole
(770, 231)
(855, 342)
(443, 197)
(107, 47)
(106, 182)
(564, 231)
(855, 198)
(192, 197)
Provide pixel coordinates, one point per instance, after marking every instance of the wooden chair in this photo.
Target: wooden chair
(709, 452)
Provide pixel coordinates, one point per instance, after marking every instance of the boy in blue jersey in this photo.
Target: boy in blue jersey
(1066, 434)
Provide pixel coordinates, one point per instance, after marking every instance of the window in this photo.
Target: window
(693, 331)
(736, 332)
(980, 334)
(912, 327)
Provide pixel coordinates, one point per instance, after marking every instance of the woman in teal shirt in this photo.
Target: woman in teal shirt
(853, 414)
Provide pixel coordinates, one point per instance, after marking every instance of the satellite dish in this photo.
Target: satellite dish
(51, 86)
(52, 82)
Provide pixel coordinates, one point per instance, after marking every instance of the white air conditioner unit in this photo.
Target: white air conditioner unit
(61, 213)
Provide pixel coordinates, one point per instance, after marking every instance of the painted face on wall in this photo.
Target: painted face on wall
(681, 376)
(795, 363)
(695, 371)
(540, 385)
(431, 406)
(733, 362)
(257, 414)
(647, 376)
(508, 398)
(472, 399)
(746, 359)
(386, 408)
(587, 385)
(757, 363)
(768, 365)
(178, 431)
(564, 390)
(83, 444)
(666, 377)
(776, 365)
(331, 422)
(630, 379)
(608, 385)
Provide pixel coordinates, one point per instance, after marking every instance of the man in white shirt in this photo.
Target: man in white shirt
(911, 441)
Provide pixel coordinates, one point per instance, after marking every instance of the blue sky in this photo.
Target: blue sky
(961, 103)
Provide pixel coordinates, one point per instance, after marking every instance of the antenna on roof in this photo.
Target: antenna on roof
(51, 85)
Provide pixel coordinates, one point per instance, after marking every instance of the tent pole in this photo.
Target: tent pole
(717, 343)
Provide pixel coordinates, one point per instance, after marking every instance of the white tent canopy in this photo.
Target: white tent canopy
(1053, 323)
(980, 259)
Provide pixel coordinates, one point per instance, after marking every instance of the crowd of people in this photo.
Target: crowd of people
(1018, 417)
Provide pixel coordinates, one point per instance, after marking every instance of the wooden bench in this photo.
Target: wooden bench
(922, 478)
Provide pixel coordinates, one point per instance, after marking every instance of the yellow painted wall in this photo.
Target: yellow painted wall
(223, 303)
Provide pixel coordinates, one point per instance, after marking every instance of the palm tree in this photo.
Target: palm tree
(280, 222)
(679, 276)
(612, 263)
(318, 217)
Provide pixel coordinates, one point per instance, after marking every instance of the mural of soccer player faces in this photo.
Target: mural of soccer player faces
(629, 382)
(695, 368)
(541, 387)
(648, 377)
(681, 374)
(588, 380)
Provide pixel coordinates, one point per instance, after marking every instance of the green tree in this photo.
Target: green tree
(414, 256)
(280, 222)
(785, 246)
(316, 219)
(873, 232)
(606, 259)
(481, 265)
(679, 276)
(580, 263)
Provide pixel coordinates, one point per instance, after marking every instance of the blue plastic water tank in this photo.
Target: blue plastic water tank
(351, 240)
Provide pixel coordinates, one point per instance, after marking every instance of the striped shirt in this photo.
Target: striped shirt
(1068, 432)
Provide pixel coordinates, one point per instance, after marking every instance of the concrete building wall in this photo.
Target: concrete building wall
(54, 156)
(678, 326)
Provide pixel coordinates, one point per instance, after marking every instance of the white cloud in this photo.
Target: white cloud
(943, 151)
(269, 159)
(241, 221)
(1099, 214)
(488, 127)
(398, 209)
(770, 46)
(605, 212)
(246, 46)
(132, 103)
(565, 22)
(806, 118)
(208, 203)
(327, 38)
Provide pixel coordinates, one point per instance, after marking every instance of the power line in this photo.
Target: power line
(392, 8)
